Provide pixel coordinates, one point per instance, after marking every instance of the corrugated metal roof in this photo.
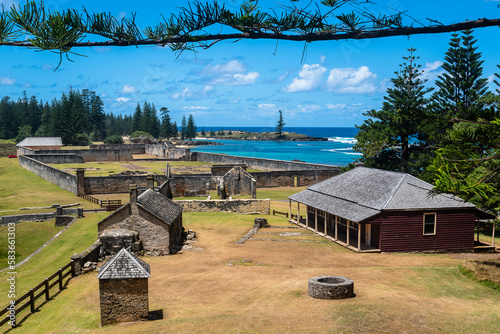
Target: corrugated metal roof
(41, 141)
(124, 265)
(159, 205)
(363, 192)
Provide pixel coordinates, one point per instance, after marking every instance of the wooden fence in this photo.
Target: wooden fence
(280, 213)
(33, 295)
(109, 204)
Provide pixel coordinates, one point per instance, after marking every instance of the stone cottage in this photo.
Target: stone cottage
(123, 289)
(156, 219)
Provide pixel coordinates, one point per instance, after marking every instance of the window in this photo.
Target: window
(429, 223)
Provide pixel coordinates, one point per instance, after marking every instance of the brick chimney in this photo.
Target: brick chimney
(133, 198)
(150, 182)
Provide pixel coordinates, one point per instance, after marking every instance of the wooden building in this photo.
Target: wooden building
(156, 219)
(368, 209)
(41, 143)
(123, 289)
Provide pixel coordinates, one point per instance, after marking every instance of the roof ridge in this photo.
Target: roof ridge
(115, 258)
(344, 199)
(394, 191)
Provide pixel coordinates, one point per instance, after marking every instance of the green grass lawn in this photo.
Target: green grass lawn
(20, 188)
(29, 236)
(107, 168)
(75, 239)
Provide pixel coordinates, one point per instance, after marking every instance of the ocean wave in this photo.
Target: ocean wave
(344, 140)
(342, 151)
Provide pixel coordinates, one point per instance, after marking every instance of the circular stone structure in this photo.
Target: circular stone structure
(331, 287)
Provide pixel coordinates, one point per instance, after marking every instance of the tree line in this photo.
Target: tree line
(449, 134)
(78, 117)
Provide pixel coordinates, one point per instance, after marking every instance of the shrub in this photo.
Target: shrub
(82, 139)
(115, 139)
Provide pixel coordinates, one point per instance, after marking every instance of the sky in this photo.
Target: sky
(245, 83)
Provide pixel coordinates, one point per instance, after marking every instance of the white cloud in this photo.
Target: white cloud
(429, 71)
(231, 67)
(122, 99)
(336, 106)
(236, 79)
(322, 59)
(309, 78)
(7, 81)
(351, 80)
(128, 89)
(188, 94)
(195, 108)
(232, 73)
(308, 108)
(267, 106)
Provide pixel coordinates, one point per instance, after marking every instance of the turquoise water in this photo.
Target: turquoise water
(336, 151)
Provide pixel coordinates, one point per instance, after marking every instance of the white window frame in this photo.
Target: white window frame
(435, 223)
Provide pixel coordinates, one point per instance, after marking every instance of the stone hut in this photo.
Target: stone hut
(156, 219)
(123, 289)
(237, 182)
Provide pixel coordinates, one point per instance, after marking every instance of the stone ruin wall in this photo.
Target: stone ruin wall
(243, 206)
(123, 300)
(53, 175)
(259, 163)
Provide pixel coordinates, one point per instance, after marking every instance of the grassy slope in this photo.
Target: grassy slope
(20, 188)
(29, 237)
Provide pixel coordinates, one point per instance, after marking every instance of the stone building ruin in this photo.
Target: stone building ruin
(153, 222)
(123, 289)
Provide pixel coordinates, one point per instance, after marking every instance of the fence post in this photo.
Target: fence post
(32, 301)
(47, 296)
(73, 269)
(60, 279)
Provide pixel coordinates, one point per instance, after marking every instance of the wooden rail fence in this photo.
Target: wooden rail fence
(109, 204)
(33, 295)
(280, 213)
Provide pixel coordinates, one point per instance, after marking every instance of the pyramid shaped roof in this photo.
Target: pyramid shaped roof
(124, 265)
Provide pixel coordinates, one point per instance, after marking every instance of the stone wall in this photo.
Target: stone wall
(136, 148)
(168, 151)
(91, 254)
(182, 184)
(300, 178)
(238, 182)
(258, 163)
(95, 185)
(221, 170)
(34, 217)
(244, 206)
(121, 154)
(55, 176)
(123, 300)
(57, 158)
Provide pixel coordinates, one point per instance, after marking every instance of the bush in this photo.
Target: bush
(82, 139)
(137, 134)
(115, 139)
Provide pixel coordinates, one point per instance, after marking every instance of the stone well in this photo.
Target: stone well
(331, 287)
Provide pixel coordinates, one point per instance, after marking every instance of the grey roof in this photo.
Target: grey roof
(362, 193)
(159, 205)
(124, 265)
(41, 141)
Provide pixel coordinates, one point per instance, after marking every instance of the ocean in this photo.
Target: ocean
(336, 151)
